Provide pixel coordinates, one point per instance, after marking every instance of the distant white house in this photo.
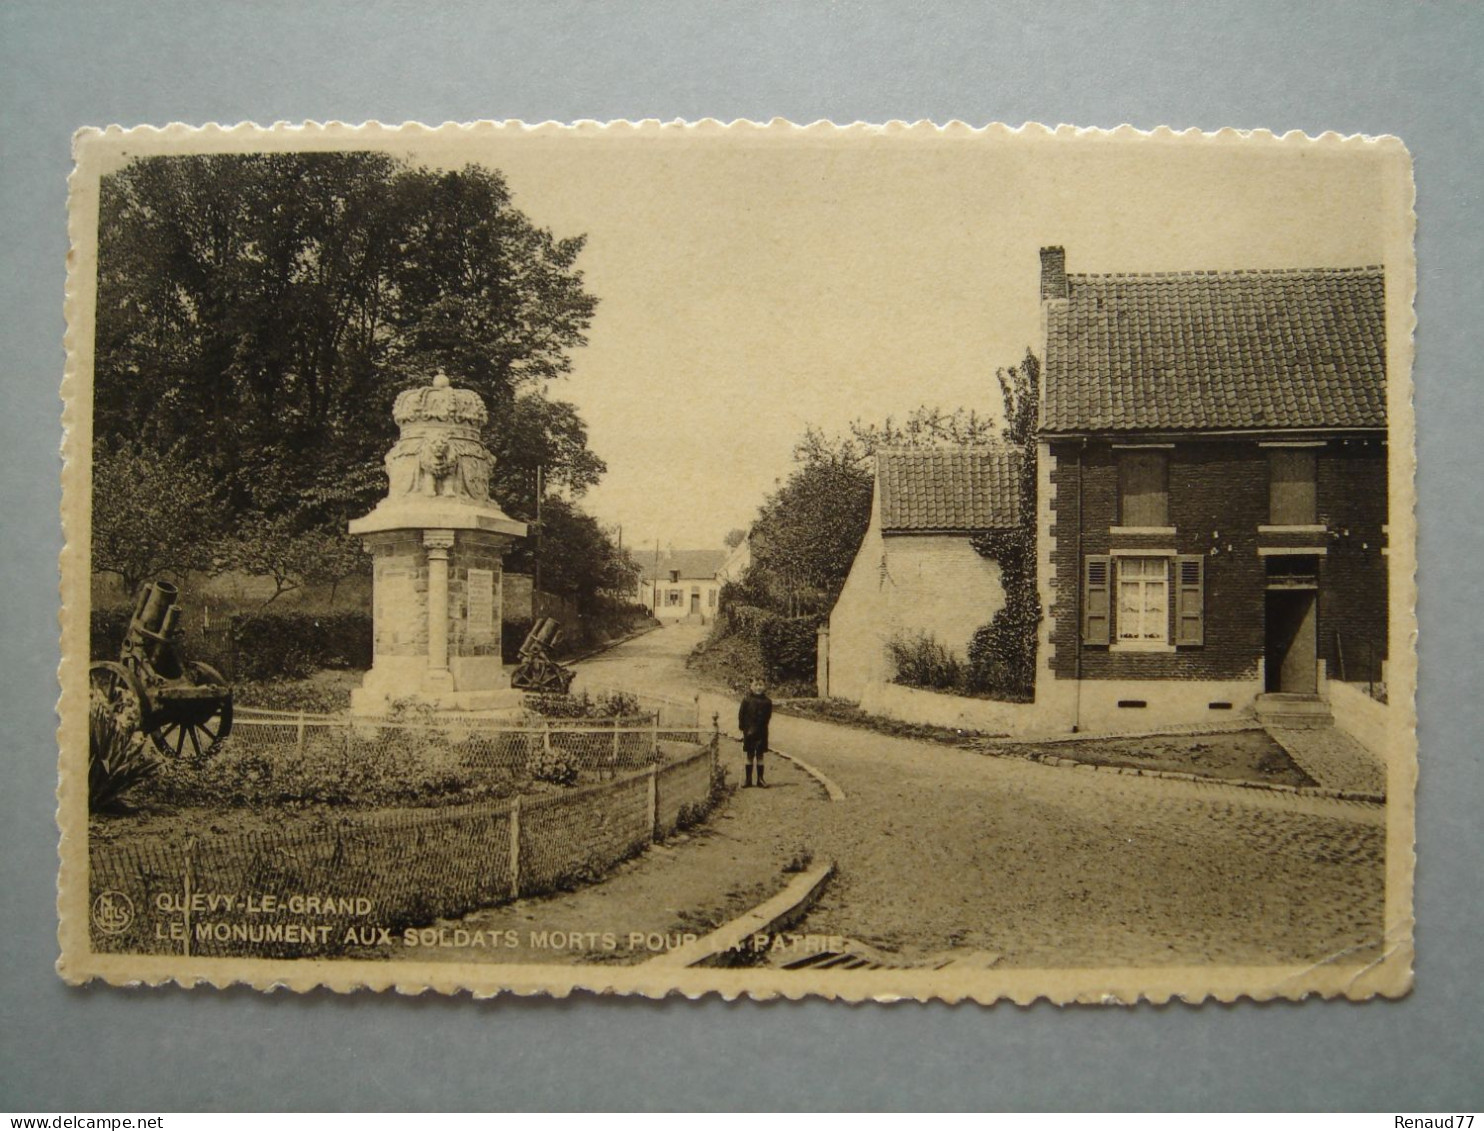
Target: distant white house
(681, 585)
(917, 571)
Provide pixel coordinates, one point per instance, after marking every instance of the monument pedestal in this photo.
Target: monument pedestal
(438, 546)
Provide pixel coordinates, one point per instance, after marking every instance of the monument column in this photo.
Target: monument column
(438, 543)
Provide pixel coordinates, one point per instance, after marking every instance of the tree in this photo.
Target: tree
(807, 532)
(734, 538)
(262, 312)
(581, 559)
(268, 546)
(925, 427)
(153, 512)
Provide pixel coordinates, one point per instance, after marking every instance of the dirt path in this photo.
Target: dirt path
(692, 884)
(652, 664)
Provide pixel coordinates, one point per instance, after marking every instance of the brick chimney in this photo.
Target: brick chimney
(1053, 273)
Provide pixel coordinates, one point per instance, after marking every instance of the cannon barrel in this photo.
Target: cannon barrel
(547, 630)
(529, 644)
(156, 600)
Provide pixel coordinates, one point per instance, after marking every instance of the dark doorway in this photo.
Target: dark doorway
(1293, 641)
(695, 602)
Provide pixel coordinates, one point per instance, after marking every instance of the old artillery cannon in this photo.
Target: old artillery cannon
(184, 706)
(537, 671)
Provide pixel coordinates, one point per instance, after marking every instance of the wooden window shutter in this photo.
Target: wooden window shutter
(1097, 581)
(1190, 599)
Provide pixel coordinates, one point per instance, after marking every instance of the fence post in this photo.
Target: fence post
(613, 769)
(654, 801)
(299, 735)
(189, 882)
(654, 735)
(715, 741)
(546, 736)
(515, 848)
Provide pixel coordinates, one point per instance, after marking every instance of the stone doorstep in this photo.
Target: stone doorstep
(1293, 711)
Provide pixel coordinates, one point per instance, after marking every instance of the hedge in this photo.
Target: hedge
(285, 644)
(107, 627)
(786, 645)
(294, 645)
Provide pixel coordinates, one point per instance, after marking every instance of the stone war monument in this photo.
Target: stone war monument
(438, 543)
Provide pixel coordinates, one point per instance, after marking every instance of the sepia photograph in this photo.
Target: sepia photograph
(873, 562)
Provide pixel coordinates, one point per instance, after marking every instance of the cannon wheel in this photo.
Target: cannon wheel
(121, 690)
(199, 738)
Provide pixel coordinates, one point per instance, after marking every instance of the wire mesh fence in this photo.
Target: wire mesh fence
(669, 711)
(349, 882)
(574, 749)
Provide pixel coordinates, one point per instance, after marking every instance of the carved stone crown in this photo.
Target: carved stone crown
(439, 403)
(440, 452)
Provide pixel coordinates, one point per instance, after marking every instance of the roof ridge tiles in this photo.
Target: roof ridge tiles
(1235, 272)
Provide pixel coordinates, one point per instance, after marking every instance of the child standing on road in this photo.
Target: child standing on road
(752, 721)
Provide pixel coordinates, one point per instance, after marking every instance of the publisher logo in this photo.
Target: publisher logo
(112, 912)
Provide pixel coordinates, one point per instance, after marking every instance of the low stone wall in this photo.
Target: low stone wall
(957, 712)
(392, 870)
(1362, 718)
(1123, 706)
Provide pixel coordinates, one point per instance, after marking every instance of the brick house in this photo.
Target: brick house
(917, 571)
(1212, 491)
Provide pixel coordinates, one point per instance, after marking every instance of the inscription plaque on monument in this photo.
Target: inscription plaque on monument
(480, 611)
(395, 606)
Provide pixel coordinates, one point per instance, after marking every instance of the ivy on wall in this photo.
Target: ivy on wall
(1002, 653)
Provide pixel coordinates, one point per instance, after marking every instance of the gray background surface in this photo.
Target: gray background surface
(1401, 68)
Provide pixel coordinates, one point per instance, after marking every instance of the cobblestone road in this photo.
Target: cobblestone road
(1050, 866)
(943, 848)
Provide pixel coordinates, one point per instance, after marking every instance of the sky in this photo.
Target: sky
(753, 283)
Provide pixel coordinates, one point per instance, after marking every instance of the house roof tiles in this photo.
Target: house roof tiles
(1217, 350)
(948, 489)
(692, 564)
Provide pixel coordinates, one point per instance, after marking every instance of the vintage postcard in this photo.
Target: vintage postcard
(884, 562)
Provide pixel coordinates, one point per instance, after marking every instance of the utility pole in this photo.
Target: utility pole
(536, 557)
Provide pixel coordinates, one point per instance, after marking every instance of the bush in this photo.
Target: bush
(606, 705)
(333, 766)
(790, 648)
(107, 628)
(292, 645)
(920, 661)
(316, 697)
(551, 764)
(751, 643)
(118, 755)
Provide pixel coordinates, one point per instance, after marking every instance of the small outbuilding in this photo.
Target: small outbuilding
(917, 572)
